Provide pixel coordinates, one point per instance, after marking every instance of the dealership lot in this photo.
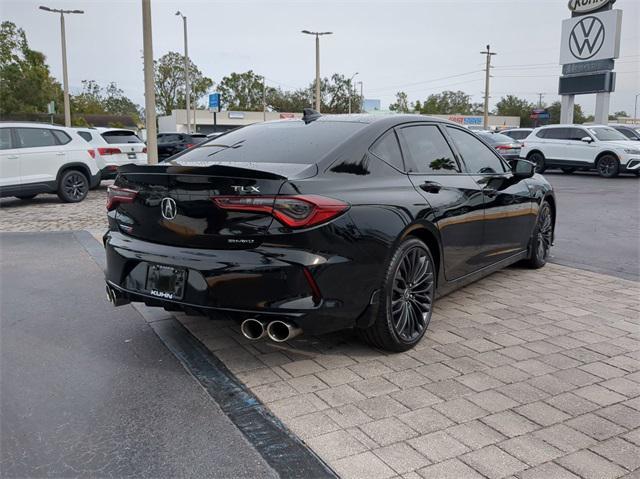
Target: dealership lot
(527, 373)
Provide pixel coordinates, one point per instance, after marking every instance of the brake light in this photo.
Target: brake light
(189, 145)
(92, 153)
(503, 147)
(301, 211)
(109, 151)
(144, 150)
(117, 195)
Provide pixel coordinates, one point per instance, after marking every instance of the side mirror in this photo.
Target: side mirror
(523, 168)
(586, 139)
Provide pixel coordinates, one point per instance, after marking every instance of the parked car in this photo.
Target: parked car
(171, 143)
(518, 134)
(324, 223)
(572, 147)
(41, 158)
(115, 147)
(506, 146)
(632, 132)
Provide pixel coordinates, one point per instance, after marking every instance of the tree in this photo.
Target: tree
(554, 112)
(170, 82)
(288, 101)
(447, 103)
(241, 91)
(402, 103)
(514, 106)
(337, 92)
(619, 114)
(103, 101)
(26, 85)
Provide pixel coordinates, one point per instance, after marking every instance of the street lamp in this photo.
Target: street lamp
(65, 76)
(350, 80)
(318, 35)
(635, 110)
(187, 89)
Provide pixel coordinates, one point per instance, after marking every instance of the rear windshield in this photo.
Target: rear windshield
(518, 134)
(495, 138)
(279, 142)
(120, 136)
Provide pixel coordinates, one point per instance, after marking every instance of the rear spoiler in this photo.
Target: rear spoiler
(285, 171)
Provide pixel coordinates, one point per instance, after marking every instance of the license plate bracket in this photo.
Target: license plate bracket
(166, 282)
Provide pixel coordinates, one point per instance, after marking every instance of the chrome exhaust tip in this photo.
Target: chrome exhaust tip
(116, 298)
(281, 331)
(253, 329)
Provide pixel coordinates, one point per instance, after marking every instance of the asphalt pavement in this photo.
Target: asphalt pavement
(89, 390)
(598, 225)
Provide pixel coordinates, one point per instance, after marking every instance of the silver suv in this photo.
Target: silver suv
(580, 147)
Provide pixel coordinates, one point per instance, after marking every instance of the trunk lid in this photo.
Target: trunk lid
(175, 204)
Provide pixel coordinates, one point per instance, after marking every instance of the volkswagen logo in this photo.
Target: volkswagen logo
(586, 38)
(168, 208)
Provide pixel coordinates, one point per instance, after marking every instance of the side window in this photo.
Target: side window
(61, 136)
(477, 156)
(387, 149)
(542, 133)
(628, 133)
(34, 137)
(86, 135)
(558, 134)
(428, 149)
(5, 139)
(577, 134)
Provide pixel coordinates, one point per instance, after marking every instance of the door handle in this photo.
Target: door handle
(490, 192)
(60, 153)
(12, 157)
(431, 187)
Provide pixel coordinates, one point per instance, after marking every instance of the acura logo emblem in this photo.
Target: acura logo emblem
(586, 38)
(168, 208)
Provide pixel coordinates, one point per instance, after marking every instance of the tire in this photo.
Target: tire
(406, 299)
(73, 186)
(26, 197)
(541, 238)
(608, 166)
(568, 170)
(538, 158)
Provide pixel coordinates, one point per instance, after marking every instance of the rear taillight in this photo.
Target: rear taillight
(92, 153)
(117, 196)
(292, 211)
(189, 145)
(144, 150)
(503, 147)
(109, 151)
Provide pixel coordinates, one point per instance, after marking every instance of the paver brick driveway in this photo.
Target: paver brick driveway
(534, 374)
(526, 373)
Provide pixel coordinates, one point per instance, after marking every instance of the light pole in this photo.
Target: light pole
(489, 54)
(361, 97)
(318, 35)
(350, 80)
(65, 76)
(187, 89)
(149, 88)
(635, 110)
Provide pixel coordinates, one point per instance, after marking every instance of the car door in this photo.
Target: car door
(41, 154)
(508, 206)
(456, 200)
(578, 152)
(554, 144)
(9, 160)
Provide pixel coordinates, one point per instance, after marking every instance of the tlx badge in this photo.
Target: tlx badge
(245, 189)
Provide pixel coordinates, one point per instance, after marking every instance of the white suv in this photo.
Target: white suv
(579, 147)
(40, 158)
(115, 147)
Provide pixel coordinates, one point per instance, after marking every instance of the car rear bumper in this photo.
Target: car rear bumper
(264, 282)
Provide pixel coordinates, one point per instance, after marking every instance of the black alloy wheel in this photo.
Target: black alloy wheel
(407, 298)
(74, 186)
(538, 159)
(608, 166)
(542, 237)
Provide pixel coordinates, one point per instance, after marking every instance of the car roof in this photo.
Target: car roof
(384, 119)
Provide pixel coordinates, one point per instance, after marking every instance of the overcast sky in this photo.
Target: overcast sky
(394, 45)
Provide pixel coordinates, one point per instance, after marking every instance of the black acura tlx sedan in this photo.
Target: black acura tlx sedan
(324, 223)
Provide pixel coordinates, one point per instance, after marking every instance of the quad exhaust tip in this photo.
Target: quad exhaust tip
(281, 331)
(253, 329)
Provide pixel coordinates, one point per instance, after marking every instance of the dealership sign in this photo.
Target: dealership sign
(591, 37)
(584, 6)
